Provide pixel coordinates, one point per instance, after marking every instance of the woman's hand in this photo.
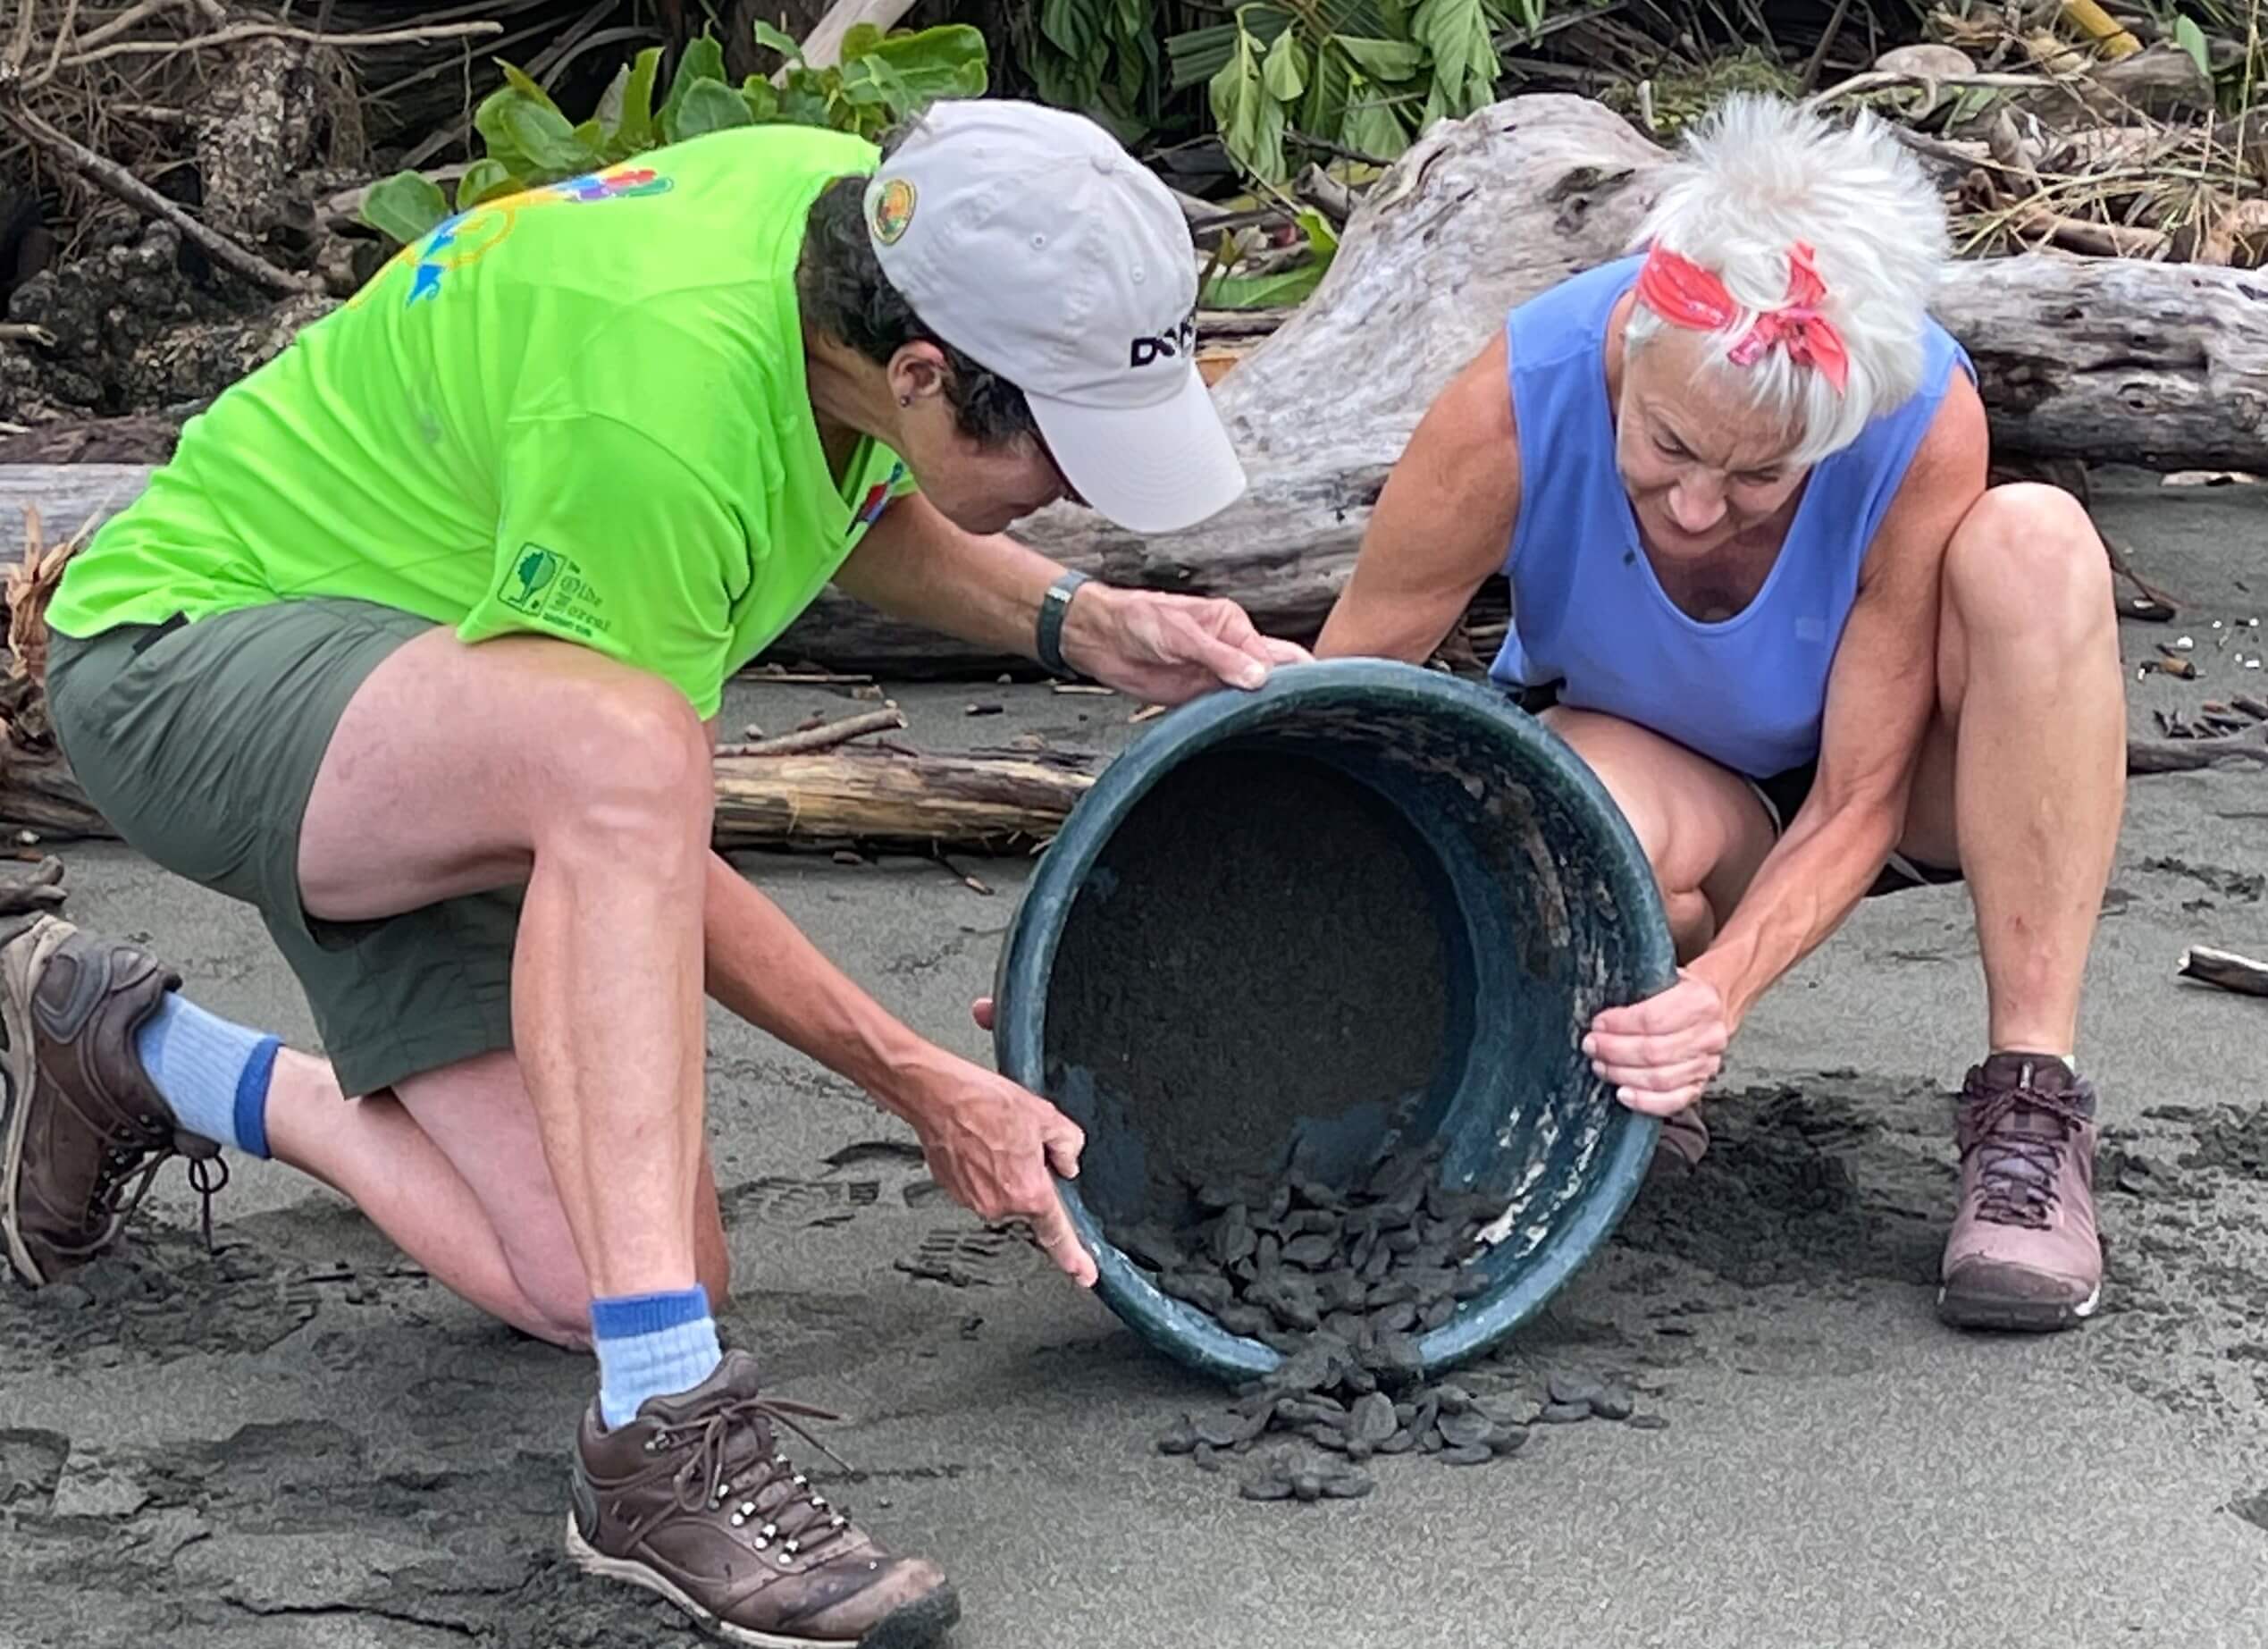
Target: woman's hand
(1661, 1054)
(1168, 649)
(994, 1146)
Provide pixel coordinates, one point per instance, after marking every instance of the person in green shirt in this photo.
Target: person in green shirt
(417, 644)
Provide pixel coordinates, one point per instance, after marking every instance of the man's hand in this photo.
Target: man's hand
(992, 1145)
(1167, 649)
(1661, 1054)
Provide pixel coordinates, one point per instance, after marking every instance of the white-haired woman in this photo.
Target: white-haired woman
(1737, 483)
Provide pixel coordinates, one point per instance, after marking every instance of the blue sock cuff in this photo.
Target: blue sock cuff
(252, 1097)
(629, 1315)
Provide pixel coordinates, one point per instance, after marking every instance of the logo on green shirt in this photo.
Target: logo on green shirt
(531, 575)
(549, 590)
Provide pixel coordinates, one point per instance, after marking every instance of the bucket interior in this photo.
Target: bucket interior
(1351, 927)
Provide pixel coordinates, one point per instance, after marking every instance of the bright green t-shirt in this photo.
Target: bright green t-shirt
(579, 412)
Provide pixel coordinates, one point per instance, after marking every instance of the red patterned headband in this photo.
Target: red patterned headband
(1684, 294)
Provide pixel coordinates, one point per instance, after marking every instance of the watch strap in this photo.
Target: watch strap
(1053, 607)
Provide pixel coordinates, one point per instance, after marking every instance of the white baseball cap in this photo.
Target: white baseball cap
(1028, 239)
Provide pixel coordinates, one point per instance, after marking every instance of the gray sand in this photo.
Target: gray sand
(298, 1445)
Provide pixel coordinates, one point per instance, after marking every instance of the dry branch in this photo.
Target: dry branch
(110, 175)
(2226, 970)
(2189, 755)
(2096, 240)
(809, 741)
(265, 31)
(1888, 80)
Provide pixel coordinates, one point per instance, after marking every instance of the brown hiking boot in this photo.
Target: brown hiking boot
(2024, 1253)
(82, 1132)
(695, 1500)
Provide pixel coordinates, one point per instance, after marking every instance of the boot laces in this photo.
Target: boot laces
(133, 1152)
(724, 1469)
(2018, 1173)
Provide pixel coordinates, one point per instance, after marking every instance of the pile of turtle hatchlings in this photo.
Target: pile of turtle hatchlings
(1342, 1283)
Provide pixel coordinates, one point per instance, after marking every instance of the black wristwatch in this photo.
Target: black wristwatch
(1053, 607)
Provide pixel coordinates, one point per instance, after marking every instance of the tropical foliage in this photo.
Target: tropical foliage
(528, 140)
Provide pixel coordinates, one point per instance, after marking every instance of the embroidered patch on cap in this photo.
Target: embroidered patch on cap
(893, 210)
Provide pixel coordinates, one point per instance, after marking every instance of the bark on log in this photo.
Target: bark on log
(968, 803)
(964, 803)
(2110, 361)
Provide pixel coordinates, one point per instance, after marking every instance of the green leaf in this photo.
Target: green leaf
(1283, 72)
(1070, 27)
(1373, 128)
(862, 38)
(804, 98)
(703, 60)
(592, 137)
(761, 96)
(484, 180)
(519, 82)
(1971, 102)
(1197, 55)
(1455, 34)
(488, 119)
(919, 66)
(405, 206)
(542, 133)
(785, 45)
(1268, 292)
(1320, 234)
(1322, 107)
(634, 125)
(870, 81)
(608, 113)
(2191, 40)
(1382, 60)
(710, 105)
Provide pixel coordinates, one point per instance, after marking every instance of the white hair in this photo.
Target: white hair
(1761, 174)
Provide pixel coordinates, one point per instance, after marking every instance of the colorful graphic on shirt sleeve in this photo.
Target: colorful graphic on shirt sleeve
(876, 499)
(466, 237)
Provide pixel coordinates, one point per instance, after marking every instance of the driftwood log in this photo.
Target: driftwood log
(2154, 364)
(2226, 970)
(975, 803)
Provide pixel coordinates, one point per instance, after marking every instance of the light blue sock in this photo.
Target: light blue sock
(651, 1346)
(213, 1074)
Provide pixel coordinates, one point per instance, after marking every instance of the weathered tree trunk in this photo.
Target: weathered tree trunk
(985, 804)
(966, 803)
(2225, 969)
(2104, 361)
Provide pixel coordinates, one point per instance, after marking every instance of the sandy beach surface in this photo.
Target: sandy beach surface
(298, 1442)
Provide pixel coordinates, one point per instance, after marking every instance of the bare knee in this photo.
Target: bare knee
(2025, 560)
(1605, 745)
(1699, 829)
(629, 764)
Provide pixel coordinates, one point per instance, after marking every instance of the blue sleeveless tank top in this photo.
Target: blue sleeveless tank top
(1587, 611)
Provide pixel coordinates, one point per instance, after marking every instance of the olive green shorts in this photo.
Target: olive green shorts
(200, 743)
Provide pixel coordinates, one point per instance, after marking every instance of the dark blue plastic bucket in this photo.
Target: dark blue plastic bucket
(1369, 904)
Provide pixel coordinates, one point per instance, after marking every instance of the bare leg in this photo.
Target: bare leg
(1703, 830)
(452, 1171)
(1704, 833)
(538, 759)
(2023, 780)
